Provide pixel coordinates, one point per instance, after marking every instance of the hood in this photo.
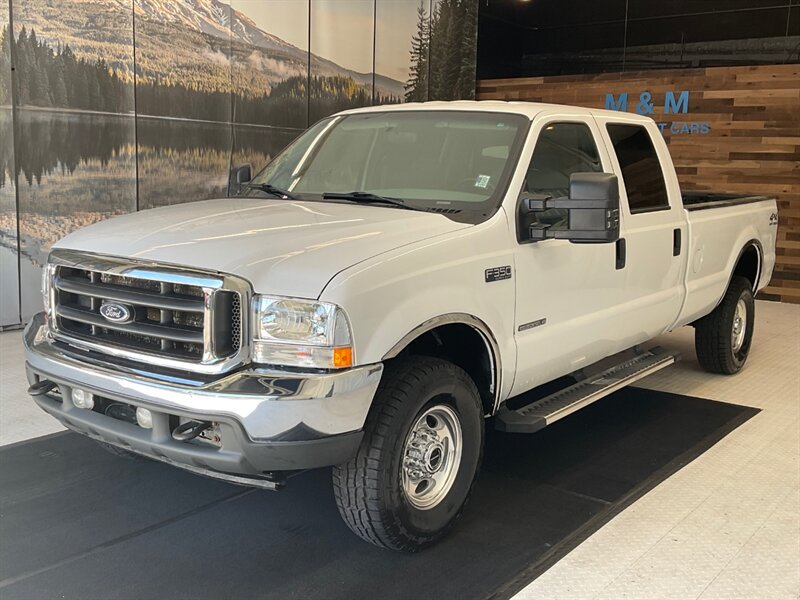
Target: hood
(282, 247)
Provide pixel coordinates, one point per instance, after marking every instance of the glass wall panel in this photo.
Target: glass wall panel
(664, 8)
(580, 48)
(9, 257)
(183, 101)
(793, 35)
(705, 38)
(528, 39)
(402, 48)
(573, 36)
(269, 55)
(342, 34)
(75, 153)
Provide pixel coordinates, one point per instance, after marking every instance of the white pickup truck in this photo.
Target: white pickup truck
(394, 281)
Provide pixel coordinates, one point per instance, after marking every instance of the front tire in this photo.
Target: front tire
(722, 338)
(419, 459)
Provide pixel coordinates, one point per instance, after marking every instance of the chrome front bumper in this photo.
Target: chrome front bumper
(270, 420)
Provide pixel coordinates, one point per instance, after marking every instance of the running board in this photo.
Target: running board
(548, 410)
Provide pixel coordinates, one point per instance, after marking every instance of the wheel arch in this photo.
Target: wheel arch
(749, 263)
(445, 333)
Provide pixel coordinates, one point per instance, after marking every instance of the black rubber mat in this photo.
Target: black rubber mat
(76, 522)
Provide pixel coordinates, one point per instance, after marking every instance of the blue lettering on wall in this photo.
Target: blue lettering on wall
(674, 103)
(620, 104)
(645, 106)
(681, 105)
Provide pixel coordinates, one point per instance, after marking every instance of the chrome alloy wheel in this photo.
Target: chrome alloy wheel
(739, 326)
(431, 457)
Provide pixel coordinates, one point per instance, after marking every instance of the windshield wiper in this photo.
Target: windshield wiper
(273, 190)
(366, 198)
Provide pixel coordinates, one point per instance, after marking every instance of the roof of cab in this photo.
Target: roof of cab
(528, 109)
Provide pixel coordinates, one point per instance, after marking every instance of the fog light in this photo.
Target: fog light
(144, 418)
(82, 399)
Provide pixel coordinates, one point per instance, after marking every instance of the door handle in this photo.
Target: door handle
(676, 242)
(621, 253)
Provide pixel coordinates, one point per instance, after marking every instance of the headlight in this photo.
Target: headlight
(300, 333)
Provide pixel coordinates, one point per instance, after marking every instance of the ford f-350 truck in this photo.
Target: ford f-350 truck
(395, 281)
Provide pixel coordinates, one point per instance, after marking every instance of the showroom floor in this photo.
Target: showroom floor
(727, 524)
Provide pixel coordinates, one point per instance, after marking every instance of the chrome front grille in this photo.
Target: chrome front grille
(160, 315)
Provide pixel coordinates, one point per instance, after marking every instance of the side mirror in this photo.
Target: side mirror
(240, 176)
(592, 210)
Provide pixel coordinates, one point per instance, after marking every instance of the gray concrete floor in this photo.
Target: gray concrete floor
(20, 418)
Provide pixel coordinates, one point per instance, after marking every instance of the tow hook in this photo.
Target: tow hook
(41, 387)
(189, 430)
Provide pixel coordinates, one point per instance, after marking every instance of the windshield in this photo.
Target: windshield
(428, 159)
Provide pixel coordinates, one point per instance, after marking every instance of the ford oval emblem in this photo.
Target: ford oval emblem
(116, 312)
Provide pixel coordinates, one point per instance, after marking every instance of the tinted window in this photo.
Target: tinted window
(641, 169)
(561, 150)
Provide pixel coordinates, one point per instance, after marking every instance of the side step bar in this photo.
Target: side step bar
(540, 414)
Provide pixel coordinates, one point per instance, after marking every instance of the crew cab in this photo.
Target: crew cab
(395, 281)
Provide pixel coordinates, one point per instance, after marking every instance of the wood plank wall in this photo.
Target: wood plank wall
(753, 144)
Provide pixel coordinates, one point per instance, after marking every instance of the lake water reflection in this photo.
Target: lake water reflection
(74, 169)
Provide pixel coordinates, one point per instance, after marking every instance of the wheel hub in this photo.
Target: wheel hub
(739, 326)
(431, 457)
(425, 453)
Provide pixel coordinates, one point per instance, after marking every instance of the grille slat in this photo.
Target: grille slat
(136, 328)
(120, 294)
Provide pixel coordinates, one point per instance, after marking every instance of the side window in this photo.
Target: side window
(641, 169)
(561, 150)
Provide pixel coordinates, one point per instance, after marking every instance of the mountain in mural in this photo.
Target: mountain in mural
(181, 42)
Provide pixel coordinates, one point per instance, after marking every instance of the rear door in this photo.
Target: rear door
(654, 239)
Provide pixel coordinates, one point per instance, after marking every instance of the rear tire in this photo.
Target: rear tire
(419, 459)
(722, 338)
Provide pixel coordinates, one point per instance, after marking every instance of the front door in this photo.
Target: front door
(568, 295)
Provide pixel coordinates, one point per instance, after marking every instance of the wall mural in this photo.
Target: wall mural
(123, 105)
(9, 250)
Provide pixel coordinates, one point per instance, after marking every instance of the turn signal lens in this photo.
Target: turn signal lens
(343, 357)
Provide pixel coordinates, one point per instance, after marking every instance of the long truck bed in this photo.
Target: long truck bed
(700, 200)
(714, 239)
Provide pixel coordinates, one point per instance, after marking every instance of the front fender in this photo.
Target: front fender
(392, 298)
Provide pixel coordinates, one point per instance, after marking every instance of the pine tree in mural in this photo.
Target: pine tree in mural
(5, 67)
(443, 52)
(56, 78)
(467, 54)
(417, 85)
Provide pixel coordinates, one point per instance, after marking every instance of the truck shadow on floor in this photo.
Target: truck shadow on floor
(79, 523)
